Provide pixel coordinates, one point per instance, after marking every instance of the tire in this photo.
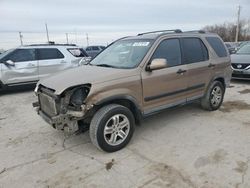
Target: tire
(112, 127)
(213, 101)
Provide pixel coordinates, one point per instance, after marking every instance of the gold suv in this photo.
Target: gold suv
(132, 78)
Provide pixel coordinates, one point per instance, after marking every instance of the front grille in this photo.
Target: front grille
(48, 104)
(239, 66)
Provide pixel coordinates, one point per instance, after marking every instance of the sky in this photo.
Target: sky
(107, 20)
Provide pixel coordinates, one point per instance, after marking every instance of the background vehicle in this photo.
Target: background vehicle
(28, 64)
(93, 51)
(133, 78)
(241, 63)
(231, 48)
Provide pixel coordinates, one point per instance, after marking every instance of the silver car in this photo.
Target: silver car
(93, 51)
(241, 63)
(28, 64)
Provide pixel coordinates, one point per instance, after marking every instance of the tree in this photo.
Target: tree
(227, 30)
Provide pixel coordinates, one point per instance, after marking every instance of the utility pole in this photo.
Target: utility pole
(87, 38)
(21, 38)
(238, 24)
(47, 32)
(67, 38)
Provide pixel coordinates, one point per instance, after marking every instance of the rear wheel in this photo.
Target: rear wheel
(214, 96)
(112, 127)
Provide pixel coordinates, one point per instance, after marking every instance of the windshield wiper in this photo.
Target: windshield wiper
(105, 65)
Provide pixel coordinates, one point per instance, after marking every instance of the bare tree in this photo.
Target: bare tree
(227, 30)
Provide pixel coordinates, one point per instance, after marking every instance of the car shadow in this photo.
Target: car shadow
(17, 89)
(235, 81)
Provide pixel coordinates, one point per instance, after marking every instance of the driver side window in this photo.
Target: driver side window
(21, 55)
(170, 50)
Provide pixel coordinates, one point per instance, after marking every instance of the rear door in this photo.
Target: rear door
(165, 87)
(196, 58)
(51, 61)
(24, 70)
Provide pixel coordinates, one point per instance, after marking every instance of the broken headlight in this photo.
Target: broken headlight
(79, 95)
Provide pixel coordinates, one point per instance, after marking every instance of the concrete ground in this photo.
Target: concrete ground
(182, 147)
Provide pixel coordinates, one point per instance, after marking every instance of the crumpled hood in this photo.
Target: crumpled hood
(240, 58)
(83, 75)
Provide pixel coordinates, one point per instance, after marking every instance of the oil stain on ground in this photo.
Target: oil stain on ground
(245, 91)
(164, 175)
(110, 164)
(234, 105)
(214, 158)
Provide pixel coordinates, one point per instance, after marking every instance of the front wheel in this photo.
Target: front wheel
(112, 127)
(214, 96)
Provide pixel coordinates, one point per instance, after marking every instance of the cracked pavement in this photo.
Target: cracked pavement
(182, 147)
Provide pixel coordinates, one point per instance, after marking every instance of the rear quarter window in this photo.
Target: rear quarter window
(217, 46)
(77, 52)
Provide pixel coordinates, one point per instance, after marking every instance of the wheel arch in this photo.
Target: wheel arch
(124, 100)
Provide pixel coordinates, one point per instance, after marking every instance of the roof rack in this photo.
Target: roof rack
(195, 31)
(162, 31)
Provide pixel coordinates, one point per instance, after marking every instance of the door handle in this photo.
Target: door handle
(63, 61)
(180, 71)
(211, 65)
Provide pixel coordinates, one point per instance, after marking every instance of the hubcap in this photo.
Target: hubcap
(216, 96)
(116, 129)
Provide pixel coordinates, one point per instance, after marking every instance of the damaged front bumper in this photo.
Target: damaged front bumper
(59, 111)
(67, 122)
(60, 122)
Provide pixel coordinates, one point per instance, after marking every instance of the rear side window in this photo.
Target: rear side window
(21, 55)
(170, 50)
(218, 46)
(194, 50)
(77, 52)
(49, 53)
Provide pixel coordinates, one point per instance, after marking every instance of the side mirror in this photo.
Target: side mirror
(10, 63)
(85, 60)
(157, 64)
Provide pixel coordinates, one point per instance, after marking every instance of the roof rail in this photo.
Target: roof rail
(51, 44)
(195, 31)
(162, 31)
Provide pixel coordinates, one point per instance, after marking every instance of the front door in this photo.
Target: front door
(24, 70)
(165, 87)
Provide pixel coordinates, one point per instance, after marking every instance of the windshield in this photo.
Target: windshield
(123, 54)
(5, 53)
(244, 49)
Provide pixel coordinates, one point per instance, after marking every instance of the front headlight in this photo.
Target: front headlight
(79, 95)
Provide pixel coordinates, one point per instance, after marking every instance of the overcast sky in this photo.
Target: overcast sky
(107, 20)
